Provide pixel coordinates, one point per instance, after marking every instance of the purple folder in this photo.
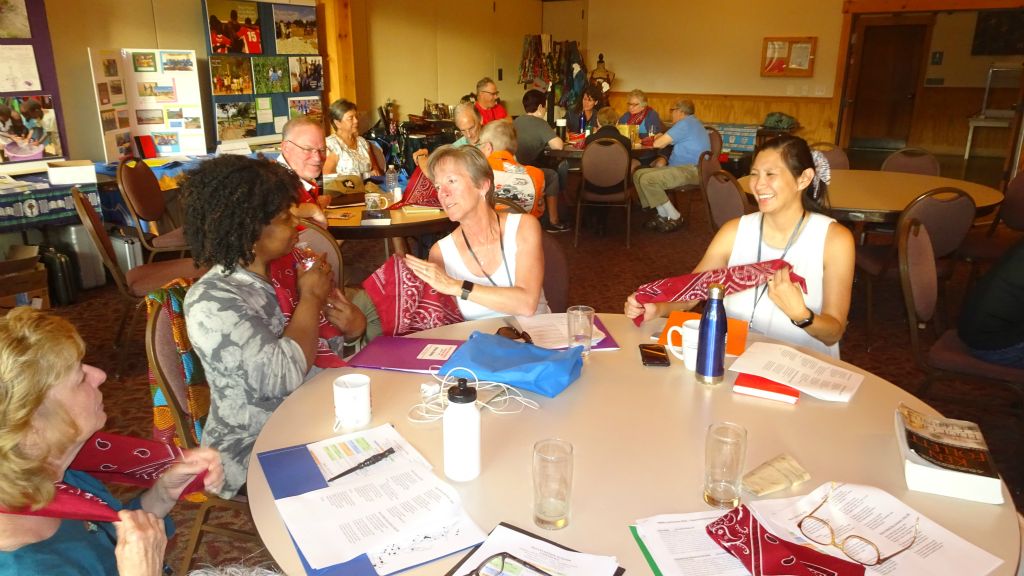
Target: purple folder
(403, 353)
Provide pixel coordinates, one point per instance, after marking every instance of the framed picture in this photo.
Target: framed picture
(788, 56)
(144, 61)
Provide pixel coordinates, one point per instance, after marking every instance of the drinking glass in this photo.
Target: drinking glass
(724, 451)
(552, 483)
(581, 327)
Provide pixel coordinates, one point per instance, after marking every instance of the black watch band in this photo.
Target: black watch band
(467, 287)
(806, 321)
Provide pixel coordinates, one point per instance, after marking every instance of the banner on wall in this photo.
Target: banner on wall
(150, 92)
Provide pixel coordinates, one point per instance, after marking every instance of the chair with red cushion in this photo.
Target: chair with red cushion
(948, 355)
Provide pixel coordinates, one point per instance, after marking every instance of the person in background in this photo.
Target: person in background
(592, 96)
(791, 187)
(302, 152)
(493, 262)
(688, 139)
(52, 405)
(523, 185)
(240, 220)
(533, 135)
(640, 114)
(992, 319)
(487, 103)
(606, 118)
(348, 152)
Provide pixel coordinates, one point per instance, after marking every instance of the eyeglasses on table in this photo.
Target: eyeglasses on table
(506, 564)
(513, 333)
(857, 548)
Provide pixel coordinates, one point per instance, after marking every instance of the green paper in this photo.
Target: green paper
(647, 555)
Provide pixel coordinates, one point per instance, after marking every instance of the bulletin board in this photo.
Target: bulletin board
(265, 66)
(788, 56)
(27, 73)
(146, 91)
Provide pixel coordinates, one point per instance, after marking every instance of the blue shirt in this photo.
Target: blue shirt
(77, 548)
(689, 140)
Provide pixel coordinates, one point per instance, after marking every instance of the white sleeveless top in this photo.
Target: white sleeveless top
(807, 257)
(456, 268)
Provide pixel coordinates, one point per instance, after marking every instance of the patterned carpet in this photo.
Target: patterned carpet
(601, 272)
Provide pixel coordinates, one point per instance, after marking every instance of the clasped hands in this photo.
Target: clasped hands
(318, 283)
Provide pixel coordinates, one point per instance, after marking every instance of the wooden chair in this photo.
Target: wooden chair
(913, 161)
(164, 354)
(145, 201)
(321, 242)
(137, 282)
(724, 199)
(947, 212)
(605, 164)
(836, 156)
(919, 280)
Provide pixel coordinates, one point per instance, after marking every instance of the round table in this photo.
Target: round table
(876, 196)
(346, 224)
(638, 436)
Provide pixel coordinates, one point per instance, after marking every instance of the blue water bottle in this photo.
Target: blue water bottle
(711, 340)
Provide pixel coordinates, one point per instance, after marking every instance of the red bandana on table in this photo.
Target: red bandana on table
(695, 286)
(286, 288)
(419, 191)
(407, 304)
(112, 458)
(765, 554)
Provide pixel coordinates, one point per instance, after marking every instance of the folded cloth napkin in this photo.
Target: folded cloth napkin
(284, 278)
(407, 304)
(765, 554)
(419, 191)
(695, 286)
(112, 458)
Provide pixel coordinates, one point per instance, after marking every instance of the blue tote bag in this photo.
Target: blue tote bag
(525, 366)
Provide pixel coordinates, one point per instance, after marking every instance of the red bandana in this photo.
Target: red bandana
(638, 118)
(765, 554)
(407, 304)
(419, 191)
(695, 286)
(286, 287)
(113, 458)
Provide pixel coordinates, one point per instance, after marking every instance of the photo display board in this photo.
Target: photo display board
(31, 123)
(148, 92)
(265, 66)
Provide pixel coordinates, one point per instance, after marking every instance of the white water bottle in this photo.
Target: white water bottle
(461, 429)
(390, 179)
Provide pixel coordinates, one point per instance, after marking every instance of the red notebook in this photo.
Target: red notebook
(764, 388)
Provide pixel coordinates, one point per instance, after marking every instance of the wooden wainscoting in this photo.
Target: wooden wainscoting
(817, 116)
(940, 120)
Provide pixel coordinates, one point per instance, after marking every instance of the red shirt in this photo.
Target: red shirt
(251, 36)
(496, 113)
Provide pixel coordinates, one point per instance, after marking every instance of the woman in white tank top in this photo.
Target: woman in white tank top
(790, 185)
(492, 263)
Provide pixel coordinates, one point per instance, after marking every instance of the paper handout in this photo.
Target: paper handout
(811, 376)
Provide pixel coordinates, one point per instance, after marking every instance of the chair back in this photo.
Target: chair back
(556, 274)
(321, 242)
(1011, 211)
(913, 161)
(724, 199)
(716, 141)
(181, 395)
(836, 156)
(707, 166)
(947, 213)
(918, 276)
(141, 191)
(606, 163)
(100, 237)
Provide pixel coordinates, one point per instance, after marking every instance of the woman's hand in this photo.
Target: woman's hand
(141, 542)
(315, 283)
(434, 275)
(345, 315)
(313, 211)
(168, 488)
(787, 295)
(633, 309)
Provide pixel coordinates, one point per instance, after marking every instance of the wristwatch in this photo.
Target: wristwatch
(798, 323)
(467, 287)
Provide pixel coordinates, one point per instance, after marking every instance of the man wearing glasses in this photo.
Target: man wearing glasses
(689, 139)
(303, 150)
(487, 101)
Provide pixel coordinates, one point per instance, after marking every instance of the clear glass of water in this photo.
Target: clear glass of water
(580, 321)
(725, 449)
(552, 483)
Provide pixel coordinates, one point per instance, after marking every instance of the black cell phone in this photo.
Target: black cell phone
(653, 355)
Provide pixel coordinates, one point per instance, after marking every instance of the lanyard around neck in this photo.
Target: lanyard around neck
(760, 242)
(501, 243)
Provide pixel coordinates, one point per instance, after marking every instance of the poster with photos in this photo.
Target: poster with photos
(140, 92)
(234, 27)
(295, 29)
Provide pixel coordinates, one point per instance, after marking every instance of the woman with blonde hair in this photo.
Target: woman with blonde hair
(51, 409)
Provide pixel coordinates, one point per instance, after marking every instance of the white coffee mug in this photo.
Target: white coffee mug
(351, 402)
(375, 201)
(689, 334)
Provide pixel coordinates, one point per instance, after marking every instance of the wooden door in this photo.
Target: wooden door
(888, 64)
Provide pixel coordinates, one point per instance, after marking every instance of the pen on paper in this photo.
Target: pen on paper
(364, 464)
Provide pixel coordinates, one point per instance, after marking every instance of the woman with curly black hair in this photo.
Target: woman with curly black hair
(240, 220)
